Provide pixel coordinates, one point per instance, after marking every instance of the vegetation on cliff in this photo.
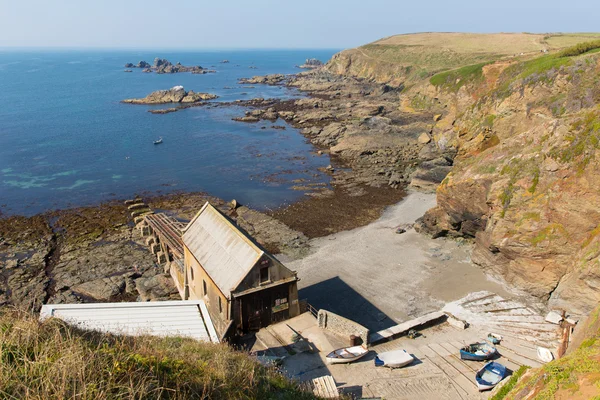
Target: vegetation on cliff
(52, 360)
(527, 133)
(404, 60)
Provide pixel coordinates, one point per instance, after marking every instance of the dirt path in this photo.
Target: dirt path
(380, 278)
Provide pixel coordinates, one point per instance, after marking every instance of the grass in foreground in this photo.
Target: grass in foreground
(52, 360)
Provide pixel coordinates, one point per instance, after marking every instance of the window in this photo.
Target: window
(204, 287)
(220, 306)
(264, 274)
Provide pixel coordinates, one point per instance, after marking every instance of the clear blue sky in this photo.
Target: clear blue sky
(273, 24)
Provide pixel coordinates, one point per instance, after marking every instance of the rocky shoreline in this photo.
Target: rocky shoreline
(95, 254)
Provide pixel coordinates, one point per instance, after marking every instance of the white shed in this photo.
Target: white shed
(185, 318)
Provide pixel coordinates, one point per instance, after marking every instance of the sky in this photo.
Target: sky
(234, 24)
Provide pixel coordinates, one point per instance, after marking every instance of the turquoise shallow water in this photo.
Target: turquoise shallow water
(66, 140)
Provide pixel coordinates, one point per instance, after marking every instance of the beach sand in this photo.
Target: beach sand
(379, 278)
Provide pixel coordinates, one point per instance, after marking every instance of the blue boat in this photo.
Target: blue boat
(490, 375)
(477, 352)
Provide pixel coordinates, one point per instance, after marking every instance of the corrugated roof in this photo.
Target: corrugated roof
(225, 253)
(187, 318)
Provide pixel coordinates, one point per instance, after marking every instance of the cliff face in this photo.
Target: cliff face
(524, 185)
(525, 182)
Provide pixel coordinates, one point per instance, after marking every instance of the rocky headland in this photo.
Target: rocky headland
(509, 144)
(164, 66)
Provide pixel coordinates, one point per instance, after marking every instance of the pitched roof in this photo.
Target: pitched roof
(226, 253)
(187, 318)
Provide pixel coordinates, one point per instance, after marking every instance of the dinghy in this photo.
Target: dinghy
(346, 354)
(494, 338)
(490, 375)
(159, 141)
(477, 352)
(544, 354)
(393, 359)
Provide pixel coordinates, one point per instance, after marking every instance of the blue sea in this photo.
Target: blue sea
(66, 140)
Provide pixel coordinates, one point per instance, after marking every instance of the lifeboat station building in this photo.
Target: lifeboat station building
(243, 286)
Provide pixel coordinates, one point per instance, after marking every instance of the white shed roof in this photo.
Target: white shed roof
(187, 318)
(225, 253)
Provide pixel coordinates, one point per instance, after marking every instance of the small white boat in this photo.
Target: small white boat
(490, 375)
(544, 354)
(393, 359)
(159, 141)
(346, 354)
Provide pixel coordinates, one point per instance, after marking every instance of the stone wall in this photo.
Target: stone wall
(341, 326)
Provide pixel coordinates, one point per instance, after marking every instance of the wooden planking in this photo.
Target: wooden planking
(517, 358)
(425, 350)
(439, 349)
(325, 387)
(457, 371)
(449, 347)
(462, 384)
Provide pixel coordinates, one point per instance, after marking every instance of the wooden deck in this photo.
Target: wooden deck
(323, 387)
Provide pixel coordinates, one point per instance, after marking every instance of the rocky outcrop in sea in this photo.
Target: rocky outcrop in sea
(311, 63)
(164, 66)
(176, 94)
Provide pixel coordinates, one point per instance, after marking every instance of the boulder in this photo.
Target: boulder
(102, 289)
(424, 138)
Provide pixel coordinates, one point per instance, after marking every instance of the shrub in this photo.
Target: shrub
(579, 48)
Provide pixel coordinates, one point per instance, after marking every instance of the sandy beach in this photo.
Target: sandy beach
(380, 278)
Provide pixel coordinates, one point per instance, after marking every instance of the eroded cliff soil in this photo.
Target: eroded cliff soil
(525, 181)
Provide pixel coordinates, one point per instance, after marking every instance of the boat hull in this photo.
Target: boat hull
(490, 375)
(477, 352)
(350, 354)
(393, 359)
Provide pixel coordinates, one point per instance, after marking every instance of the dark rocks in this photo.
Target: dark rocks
(164, 66)
(273, 79)
(176, 94)
(311, 63)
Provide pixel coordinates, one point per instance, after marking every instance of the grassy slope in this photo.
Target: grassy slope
(54, 361)
(409, 58)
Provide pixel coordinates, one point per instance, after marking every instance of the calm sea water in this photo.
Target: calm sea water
(66, 140)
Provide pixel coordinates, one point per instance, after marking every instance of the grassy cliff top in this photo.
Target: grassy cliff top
(52, 360)
(412, 57)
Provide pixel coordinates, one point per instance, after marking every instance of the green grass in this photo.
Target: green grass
(582, 142)
(52, 360)
(455, 79)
